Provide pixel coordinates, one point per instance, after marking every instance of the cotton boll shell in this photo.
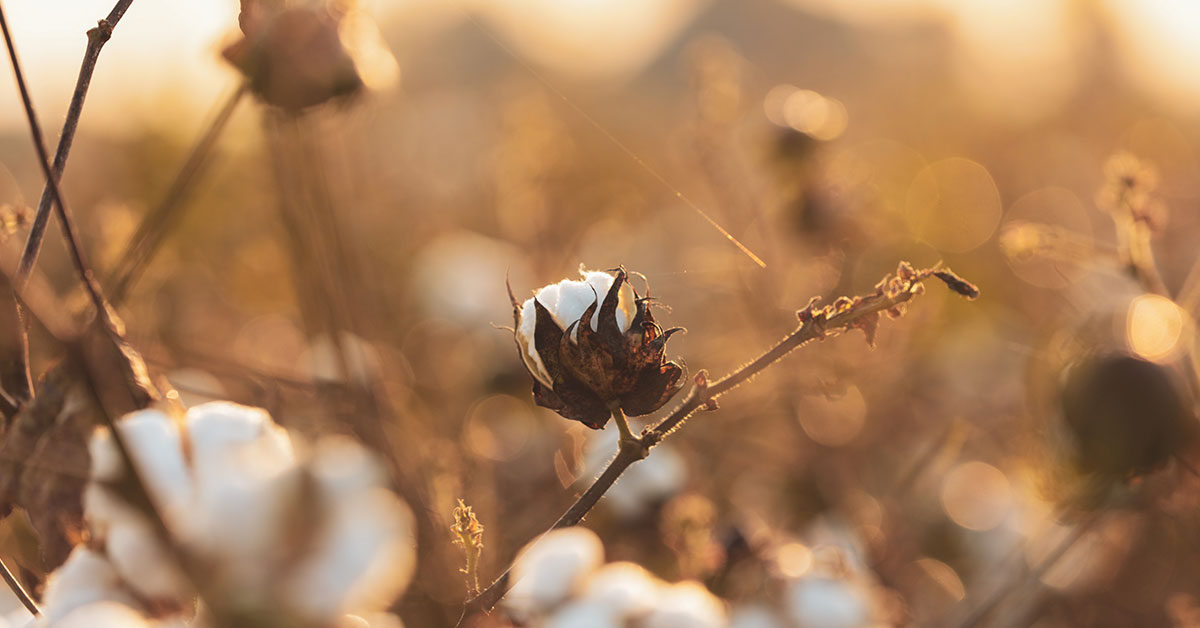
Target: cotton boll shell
(551, 568)
(86, 578)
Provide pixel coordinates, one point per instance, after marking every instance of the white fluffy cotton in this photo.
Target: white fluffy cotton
(566, 302)
(552, 567)
(828, 603)
(686, 604)
(232, 490)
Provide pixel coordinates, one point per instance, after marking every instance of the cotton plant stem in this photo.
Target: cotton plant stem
(64, 214)
(158, 223)
(703, 395)
(985, 608)
(97, 37)
(19, 590)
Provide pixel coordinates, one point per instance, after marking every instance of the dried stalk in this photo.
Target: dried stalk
(97, 37)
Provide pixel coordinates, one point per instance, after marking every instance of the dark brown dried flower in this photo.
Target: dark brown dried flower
(293, 56)
(589, 356)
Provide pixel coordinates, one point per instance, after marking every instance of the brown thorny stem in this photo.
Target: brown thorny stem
(815, 324)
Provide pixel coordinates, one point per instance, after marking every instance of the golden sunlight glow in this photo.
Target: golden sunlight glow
(1161, 47)
(976, 495)
(806, 111)
(1156, 328)
(598, 38)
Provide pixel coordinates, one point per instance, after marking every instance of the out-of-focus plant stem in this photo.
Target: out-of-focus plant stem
(19, 590)
(704, 395)
(156, 224)
(97, 37)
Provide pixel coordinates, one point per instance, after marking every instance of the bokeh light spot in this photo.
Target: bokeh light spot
(976, 495)
(953, 204)
(834, 420)
(1156, 328)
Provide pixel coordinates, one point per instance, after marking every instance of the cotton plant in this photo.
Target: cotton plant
(595, 352)
(263, 531)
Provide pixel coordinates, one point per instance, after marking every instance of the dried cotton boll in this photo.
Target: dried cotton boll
(592, 346)
(686, 604)
(85, 579)
(551, 568)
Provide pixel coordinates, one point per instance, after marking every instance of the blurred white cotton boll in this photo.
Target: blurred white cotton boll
(460, 276)
(362, 556)
(686, 604)
(585, 614)
(655, 479)
(370, 620)
(622, 586)
(86, 578)
(820, 602)
(103, 615)
(154, 443)
(228, 439)
(754, 617)
(551, 568)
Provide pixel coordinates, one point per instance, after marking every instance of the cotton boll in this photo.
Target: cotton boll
(551, 567)
(86, 578)
(820, 602)
(754, 617)
(363, 556)
(152, 439)
(589, 614)
(227, 438)
(624, 587)
(104, 614)
(686, 604)
(143, 562)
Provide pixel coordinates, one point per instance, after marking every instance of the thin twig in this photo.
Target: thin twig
(19, 590)
(64, 214)
(815, 323)
(97, 37)
(156, 224)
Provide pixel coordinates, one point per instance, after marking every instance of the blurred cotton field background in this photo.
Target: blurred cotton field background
(1026, 459)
